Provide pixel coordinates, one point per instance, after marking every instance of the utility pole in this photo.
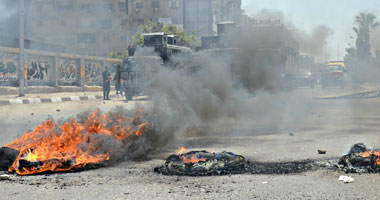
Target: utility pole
(21, 76)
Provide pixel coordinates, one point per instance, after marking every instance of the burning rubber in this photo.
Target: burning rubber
(360, 159)
(76, 145)
(203, 163)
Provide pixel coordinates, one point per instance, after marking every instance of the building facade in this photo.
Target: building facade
(202, 16)
(99, 27)
(145, 11)
(87, 27)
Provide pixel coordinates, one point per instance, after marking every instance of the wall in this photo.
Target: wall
(92, 72)
(68, 71)
(53, 69)
(8, 68)
(39, 68)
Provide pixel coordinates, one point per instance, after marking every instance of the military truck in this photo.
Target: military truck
(164, 45)
(260, 56)
(136, 72)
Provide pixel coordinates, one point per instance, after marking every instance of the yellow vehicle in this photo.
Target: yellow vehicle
(337, 63)
(334, 74)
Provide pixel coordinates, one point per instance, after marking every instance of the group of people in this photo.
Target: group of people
(107, 78)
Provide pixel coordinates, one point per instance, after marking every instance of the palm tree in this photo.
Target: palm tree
(365, 23)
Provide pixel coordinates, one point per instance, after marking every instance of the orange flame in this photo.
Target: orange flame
(73, 144)
(370, 153)
(181, 150)
(193, 159)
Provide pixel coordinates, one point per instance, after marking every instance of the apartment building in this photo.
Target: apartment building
(145, 11)
(87, 27)
(98, 27)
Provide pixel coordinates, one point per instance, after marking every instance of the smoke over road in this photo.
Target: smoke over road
(312, 43)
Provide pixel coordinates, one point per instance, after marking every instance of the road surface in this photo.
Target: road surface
(280, 127)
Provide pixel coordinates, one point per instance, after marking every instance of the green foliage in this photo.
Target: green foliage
(118, 55)
(184, 40)
(361, 53)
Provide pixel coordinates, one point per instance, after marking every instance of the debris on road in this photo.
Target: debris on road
(203, 163)
(4, 177)
(346, 179)
(322, 151)
(360, 160)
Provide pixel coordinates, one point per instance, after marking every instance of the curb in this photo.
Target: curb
(357, 95)
(60, 99)
(51, 100)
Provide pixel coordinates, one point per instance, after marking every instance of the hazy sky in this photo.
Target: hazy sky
(336, 14)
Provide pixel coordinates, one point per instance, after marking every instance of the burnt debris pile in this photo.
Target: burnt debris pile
(7, 157)
(360, 159)
(203, 163)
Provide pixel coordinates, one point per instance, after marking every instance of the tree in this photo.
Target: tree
(118, 55)
(361, 53)
(184, 40)
(365, 23)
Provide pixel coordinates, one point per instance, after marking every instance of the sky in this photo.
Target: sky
(338, 15)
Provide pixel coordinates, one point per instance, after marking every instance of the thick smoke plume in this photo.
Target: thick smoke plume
(194, 95)
(311, 43)
(9, 19)
(314, 43)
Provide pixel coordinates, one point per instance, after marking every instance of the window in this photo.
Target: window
(106, 24)
(40, 23)
(123, 38)
(155, 4)
(123, 22)
(122, 6)
(139, 5)
(87, 38)
(39, 8)
(108, 7)
(63, 7)
(63, 22)
(106, 38)
(173, 4)
(86, 8)
(140, 22)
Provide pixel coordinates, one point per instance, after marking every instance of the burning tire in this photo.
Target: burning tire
(203, 163)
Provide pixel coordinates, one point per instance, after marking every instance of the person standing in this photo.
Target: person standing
(106, 83)
(117, 80)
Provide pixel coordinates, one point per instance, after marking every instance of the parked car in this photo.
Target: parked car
(305, 78)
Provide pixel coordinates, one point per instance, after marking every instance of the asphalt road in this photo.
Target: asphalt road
(279, 127)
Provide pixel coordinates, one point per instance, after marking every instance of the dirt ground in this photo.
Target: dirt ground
(294, 128)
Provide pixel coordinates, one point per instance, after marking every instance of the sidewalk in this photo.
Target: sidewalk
(58, 97)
